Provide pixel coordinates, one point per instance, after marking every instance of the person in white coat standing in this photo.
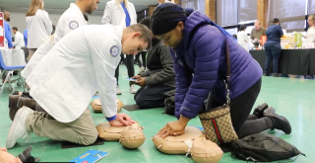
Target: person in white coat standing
(66, 79)
(121, 13)
(242, 37)
(38, 24)
(73, 18)
(18, 39)
(70, 20)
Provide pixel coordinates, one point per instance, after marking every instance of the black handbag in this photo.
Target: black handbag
(263, 147)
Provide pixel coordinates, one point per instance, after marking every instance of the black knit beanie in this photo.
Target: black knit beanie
(165, 17)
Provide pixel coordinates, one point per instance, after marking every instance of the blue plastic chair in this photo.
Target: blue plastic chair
(10, 70)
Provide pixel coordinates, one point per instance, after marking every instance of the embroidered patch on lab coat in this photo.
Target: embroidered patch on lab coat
(73, 24)
(114, 51)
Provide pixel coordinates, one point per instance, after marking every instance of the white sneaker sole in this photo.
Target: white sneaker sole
(10, 143)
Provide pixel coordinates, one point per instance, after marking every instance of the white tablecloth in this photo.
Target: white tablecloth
(13, 57)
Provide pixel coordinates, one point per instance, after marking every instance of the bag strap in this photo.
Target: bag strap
(228, 73)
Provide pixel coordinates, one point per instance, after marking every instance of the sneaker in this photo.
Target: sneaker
(276, 75)
(118, 92)
(142, 69)
(133, 89)
(18, 129)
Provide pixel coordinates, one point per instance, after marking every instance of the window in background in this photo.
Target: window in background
(194, 4)
(227, 13)
(311, 7)
(246, 11)
(290, 12)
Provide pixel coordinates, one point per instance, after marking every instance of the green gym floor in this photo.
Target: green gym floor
(293, 98)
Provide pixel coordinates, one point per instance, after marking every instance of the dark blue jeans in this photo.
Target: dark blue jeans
(273, 52)
(151, 96)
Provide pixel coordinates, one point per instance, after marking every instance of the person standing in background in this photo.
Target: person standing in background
(122, 13)
(242, 38)
(311, 29)
(38, 24)
(257, 32)
(273, 47)
(70, 20)
(25, 36)
(7, 29)
(19, 40)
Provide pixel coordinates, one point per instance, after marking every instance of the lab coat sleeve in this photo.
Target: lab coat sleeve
(105, 65)
(47, 22)
(71, 23)
(107, 18)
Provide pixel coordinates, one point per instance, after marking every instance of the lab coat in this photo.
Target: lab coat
(311, 33)
(70, 20)
(18, 40)
(243, 39)
(38, 55)
(83, 62)
(71, 14)
(114, 14)
(39, 28)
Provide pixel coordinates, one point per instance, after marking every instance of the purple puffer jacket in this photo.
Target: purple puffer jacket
(200, 66)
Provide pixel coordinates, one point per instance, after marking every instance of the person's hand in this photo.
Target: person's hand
(137, 77)
(174, 128)
(3, 149)
(141, 82)
(8, 158)
(121, 120)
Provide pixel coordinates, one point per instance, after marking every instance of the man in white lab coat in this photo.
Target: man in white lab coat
(65, 80)
(70, 20)
(19, 38)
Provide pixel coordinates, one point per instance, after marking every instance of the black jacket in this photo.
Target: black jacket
(160, 66)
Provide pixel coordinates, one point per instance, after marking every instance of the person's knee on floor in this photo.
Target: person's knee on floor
(88, 139)
(69, 119)
(140, 102)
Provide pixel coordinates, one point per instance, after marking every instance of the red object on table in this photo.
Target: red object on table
(263, 39)
(1, 30)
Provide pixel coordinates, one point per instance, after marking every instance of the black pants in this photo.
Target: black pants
(143, 57)
(151, 96)
(244, 124)
(129, 64)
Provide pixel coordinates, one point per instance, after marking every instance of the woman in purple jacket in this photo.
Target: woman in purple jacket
(199, 53)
